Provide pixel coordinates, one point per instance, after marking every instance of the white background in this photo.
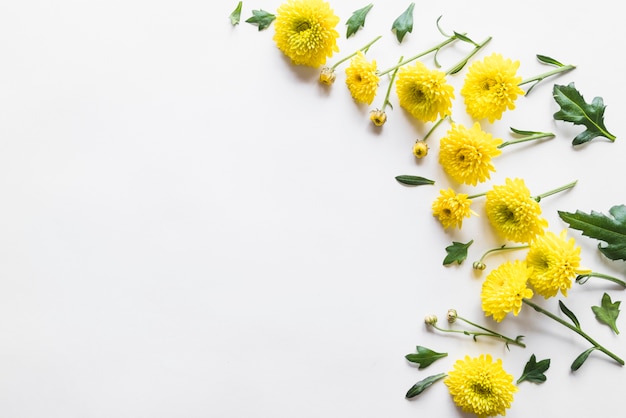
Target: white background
(193, 227)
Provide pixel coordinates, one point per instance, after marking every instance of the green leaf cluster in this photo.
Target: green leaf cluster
(611, 230)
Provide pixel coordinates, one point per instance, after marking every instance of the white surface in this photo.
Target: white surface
(193, 227)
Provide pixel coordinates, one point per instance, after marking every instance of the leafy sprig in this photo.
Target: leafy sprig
(456, 252)
(534, 371)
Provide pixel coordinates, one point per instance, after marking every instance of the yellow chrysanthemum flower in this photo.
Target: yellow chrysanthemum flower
(424, 93)
(450, 208)
(481, 386)
(555, 261)
(465, 154)
(491, 87)
(513, 213)
(305, 31)
(504, 288)
(361, 79)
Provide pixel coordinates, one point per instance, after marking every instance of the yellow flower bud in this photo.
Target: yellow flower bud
(378, 117)
(430, 319)
(452, 315)
(420, 149)
(327, 76)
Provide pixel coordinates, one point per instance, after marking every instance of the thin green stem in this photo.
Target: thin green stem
(582, 278)
(393, 77)
(474, 196)
(421, 54)
(535, 136)
(364, 49)
(555, 191)
(459, 66)
(540, 77)
(480, 265)
(430, 131)
(577, 330)
(493, 333)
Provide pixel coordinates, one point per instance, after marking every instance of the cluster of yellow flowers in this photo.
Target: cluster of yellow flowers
(305, 31)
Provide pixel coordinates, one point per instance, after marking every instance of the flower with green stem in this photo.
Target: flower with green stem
(453, 316)
(361, 79)
(327, 74)
(450, 208)
(305, 31)
(420, 148)
(378, 116)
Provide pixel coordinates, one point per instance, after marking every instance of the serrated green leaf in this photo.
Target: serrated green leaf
(357, 20)
(608, 312)
(581, 359)
(534, 370)
(548, 60)
(261, 18)
(424, 357)
(611, 230)
(422, 385)
(574, 109)
(235, 16)
(456, 252)
(403, 23)
(569, 314)
(414, 180)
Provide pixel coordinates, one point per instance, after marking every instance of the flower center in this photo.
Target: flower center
(303, 26)
(481, 389)
(488, 84)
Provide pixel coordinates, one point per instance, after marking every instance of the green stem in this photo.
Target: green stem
(434, 127)
(493, 333)
(479, 265)
(459, 66)
(488, 333)
(421, 54)
(555, 191)
(573, 328)
(582, 278)
(474, 196)
(393, 77)
(537, 135)
(364, 49)
(540, 77)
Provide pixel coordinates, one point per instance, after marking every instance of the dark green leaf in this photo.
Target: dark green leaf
(422, 385)
(574, 109)
(414, 180)
(235, 16)
(424, 357)
(403, 23)
(534, 371)
(261, 18)
(608, 312)
(456, 252)
(548, 60)
(357, 20)
(611, 230)
(569, 314)
(581, 359)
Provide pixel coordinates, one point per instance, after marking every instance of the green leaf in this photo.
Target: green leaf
(548, 60)
(357, 20)
(422, 385)
(569, 314)
(403, 23)
(414, 180)
(456, 252)
(261, 18)
(608, 312)
(533, 371)
(235, 16)
(574, 109)
(424, 357)
(611, 230)
(581, 359)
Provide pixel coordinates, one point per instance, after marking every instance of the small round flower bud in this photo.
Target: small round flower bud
(378, 117)
(420, 149)
(327, 76)
(479, 265)
(452, 315)
(430, 319)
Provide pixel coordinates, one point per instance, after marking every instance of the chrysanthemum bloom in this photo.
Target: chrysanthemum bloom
(327, 76)
(555, 261)
(378, 117)
(491, 87)
(361, 79)
(504, 288)
(465, 154)
(424, 93)
(513, 213)
(305, 31)
(450, 208)
(420, 149)
(481, 386)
